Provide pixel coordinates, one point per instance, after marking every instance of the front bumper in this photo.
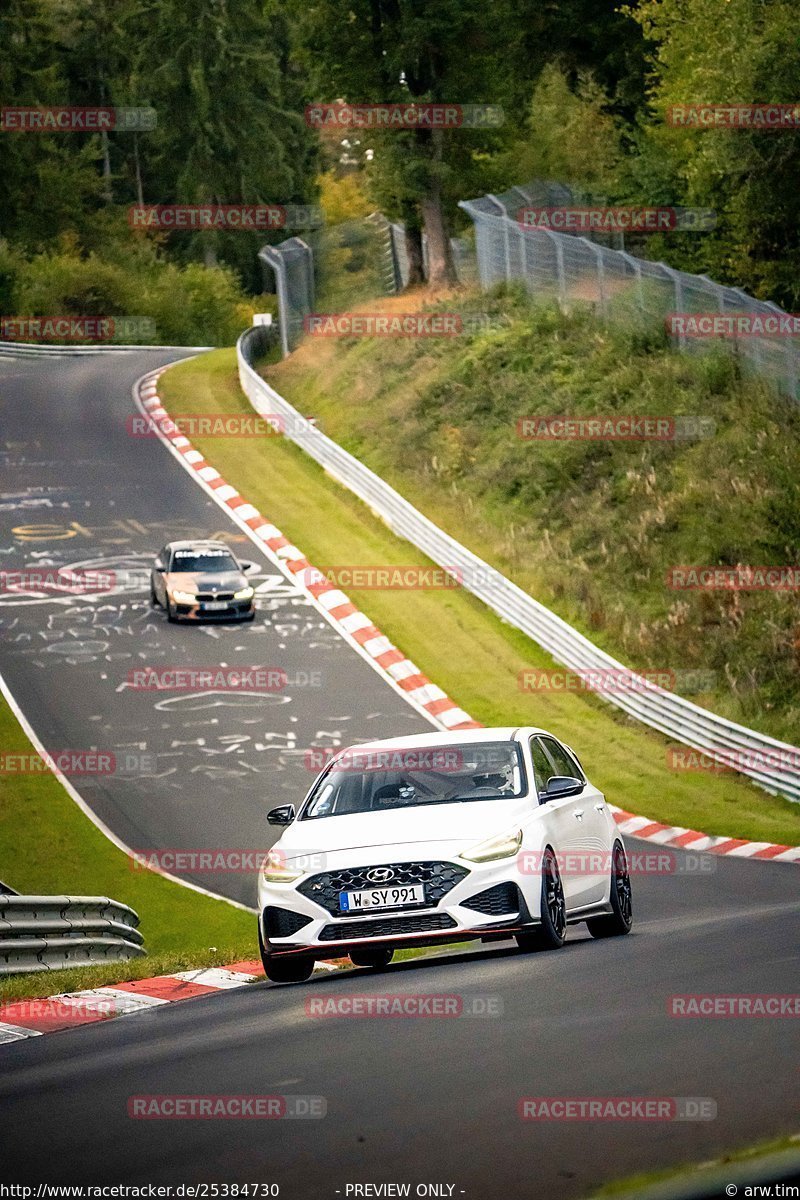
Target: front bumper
(487, 899)
(235, 610)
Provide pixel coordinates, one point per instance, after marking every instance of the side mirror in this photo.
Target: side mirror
(158, 565)
(560, 786)
(283, 815)
(248, 566)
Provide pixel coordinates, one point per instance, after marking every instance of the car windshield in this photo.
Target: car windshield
(203, 560)
(362, 781)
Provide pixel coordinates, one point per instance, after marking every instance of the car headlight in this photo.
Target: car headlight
(245, 593)
(184, 597)
(497, 847)
(275, 869)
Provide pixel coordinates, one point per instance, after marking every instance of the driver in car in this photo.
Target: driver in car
(500, 781)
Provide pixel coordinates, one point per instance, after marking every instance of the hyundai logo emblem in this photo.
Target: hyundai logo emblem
(380, 874)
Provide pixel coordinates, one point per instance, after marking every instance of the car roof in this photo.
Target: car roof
(459, 737)
(204, 544)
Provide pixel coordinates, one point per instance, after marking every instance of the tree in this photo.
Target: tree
(404, 51)
(733, 52)
(48, 181)
(225, 132)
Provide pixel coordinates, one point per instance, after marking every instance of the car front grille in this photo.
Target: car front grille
(204, 597)
(365, 929)
(495, 901)
(282, 922)
(438, 878)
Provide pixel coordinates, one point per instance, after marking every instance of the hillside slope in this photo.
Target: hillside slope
(590, 527)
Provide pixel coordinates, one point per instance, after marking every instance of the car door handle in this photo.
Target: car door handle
(578, 814)
(600, 807)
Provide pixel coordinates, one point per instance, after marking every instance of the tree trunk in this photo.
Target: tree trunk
(441, 270)
(138, 171)
(413, 244)
(108, 194)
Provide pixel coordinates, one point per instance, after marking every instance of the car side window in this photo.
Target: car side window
(577, 770)
(163, 558)
(563, 763)
(542, 769)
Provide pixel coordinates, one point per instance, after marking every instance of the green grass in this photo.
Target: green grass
(451, 636)
(48, 847)
(689, 1175)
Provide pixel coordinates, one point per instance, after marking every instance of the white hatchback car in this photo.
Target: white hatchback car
(489, 833)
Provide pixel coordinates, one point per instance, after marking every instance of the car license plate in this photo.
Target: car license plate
(382, 897)
(215, 605)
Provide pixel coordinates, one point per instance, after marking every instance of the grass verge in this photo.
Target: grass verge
(454, 638)
(48, 847)
(684, 1178)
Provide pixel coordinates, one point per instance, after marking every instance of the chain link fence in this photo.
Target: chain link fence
(569, 267)
(291, 266)
(338, 266)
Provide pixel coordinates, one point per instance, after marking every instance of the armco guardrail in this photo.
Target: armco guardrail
(774, 765)
(41, 933)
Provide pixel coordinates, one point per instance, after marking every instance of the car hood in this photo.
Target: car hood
(453, 824)
(199, 581)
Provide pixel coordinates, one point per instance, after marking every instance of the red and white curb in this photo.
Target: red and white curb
(30, 1018)
(353, 624)
(690, 839)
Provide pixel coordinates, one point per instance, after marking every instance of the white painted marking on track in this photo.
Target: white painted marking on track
(216, 977)
(125, 1003)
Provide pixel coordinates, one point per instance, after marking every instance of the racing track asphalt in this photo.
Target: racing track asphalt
(436, 1100)
(193, 771)
(421, 1100)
